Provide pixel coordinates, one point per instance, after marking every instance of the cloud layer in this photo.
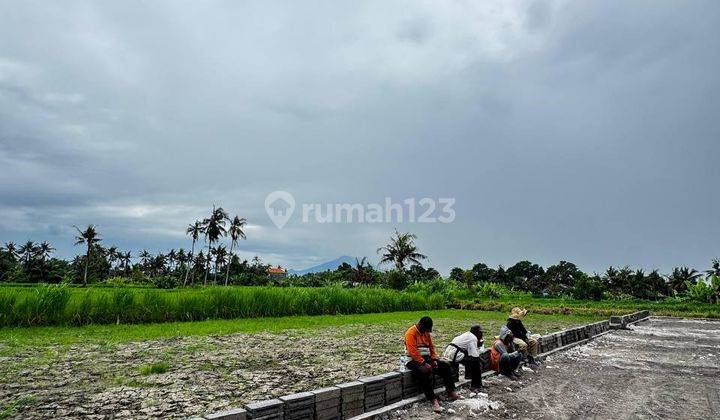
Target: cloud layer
(585, 131)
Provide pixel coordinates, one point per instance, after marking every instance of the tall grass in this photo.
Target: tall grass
(58, 305)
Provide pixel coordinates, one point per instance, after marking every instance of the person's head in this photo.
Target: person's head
(517, 313)
(506, 335)
(477, 331)
(425, 324)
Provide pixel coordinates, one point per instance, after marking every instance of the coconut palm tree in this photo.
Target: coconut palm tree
(715, 270)
(214, 228)
(27, 252)
(12, 250)
(158, 264)
(144, 258)
(401, 250)
(112, 255)
(681, 277)
(180, 258)
(125, 259)
(172, 257)
(194, 230)
(362, 272)
(44, 251)
(89, 237)
(236, 232)
(220, 253)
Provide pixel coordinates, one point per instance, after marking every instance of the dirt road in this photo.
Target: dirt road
(664, 368)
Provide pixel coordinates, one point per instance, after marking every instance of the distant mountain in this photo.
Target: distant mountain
(330, 265)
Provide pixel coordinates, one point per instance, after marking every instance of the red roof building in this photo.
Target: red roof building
(277, 271)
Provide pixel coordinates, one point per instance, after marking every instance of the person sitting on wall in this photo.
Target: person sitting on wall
(424, 362)
(504, 359)
(465, 349)
(524, 342)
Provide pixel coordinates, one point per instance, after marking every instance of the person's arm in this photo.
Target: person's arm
(411, 346)
(433, 354)
(501, 348)
(523, 332)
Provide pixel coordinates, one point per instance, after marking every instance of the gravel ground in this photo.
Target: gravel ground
(663, 368)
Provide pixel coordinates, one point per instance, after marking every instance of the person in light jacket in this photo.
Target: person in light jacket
(465, 349)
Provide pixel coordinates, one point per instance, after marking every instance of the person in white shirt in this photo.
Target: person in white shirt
(465, 349)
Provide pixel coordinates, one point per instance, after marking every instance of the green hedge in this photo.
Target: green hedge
(59, 305)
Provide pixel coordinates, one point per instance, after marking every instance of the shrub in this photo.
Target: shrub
(702, 291)
(492, 290)
(396, 279)
(588, 288)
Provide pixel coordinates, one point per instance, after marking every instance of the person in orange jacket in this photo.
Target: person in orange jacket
(424, 362)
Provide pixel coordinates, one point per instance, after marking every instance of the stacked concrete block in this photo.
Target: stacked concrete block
(393, 387)
(565, 338)
(232, 414)
(548, 343)
(300, 406)
(410, 385)
(539, 345)
(623, 321)
(374, 392)
(558, 339)
(266, 410)
(327, 403)
(583, 333)
(353, 398)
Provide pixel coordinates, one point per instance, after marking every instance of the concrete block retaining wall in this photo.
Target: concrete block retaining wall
(619, 322)
(352, 399)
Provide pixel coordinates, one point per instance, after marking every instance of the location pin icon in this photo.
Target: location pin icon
(279, 206)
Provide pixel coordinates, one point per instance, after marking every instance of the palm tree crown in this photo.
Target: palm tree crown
(89, 237)
(400, 250)
(236, 232)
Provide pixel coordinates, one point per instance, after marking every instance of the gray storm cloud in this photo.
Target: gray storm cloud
(584, 131)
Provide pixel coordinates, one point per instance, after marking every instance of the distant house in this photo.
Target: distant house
(279, 207)
(276, 271)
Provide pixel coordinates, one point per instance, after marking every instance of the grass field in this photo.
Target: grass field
(113, 334)
(601, 308)
(58, 305)
(180, 369)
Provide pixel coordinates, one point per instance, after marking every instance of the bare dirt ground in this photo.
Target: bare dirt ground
(208, 373)
(664, 368)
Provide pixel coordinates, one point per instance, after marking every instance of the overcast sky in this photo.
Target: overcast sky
(585, 131)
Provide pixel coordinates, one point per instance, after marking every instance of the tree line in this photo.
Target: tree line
(216, 262)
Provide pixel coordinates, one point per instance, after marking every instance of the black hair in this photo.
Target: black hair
(477, 330)
(426, 324)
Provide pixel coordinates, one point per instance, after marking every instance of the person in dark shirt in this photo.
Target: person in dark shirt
(525, 342)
